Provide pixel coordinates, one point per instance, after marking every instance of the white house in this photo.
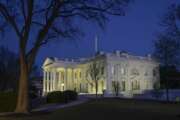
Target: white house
(135, 74)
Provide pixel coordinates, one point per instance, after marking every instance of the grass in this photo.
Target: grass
(110, 109)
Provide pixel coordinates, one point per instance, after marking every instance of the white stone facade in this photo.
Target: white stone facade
(135, 74)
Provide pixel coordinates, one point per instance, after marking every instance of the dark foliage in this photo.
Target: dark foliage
(167, 44)
(7, 101)
(61, 97)
(9, 70)
(55, 97)
(173, 77)
(70, 95)
(36, 23)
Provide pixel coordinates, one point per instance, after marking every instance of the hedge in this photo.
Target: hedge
(61, 97)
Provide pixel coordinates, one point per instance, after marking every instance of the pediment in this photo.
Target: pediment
(48, 61)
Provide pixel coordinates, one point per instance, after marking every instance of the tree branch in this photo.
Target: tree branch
(9, 19)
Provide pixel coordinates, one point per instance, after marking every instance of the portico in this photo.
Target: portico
(135, 74)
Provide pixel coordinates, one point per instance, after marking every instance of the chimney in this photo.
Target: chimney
(149, 56)
(117, 52)
(55, 59)
(66, 59)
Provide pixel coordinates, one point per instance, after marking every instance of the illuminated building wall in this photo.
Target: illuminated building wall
(135, 74)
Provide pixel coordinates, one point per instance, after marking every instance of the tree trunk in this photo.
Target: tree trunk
(166, 83)
(22, 105)
(167, 90)
(96, 88)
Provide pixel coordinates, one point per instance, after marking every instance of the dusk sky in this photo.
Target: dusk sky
(133, 33)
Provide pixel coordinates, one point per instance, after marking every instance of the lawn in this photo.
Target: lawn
(111, 109)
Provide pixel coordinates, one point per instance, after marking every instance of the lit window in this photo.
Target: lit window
(123, 86)
(62, 77)
(135, 85)
(79, 74)
(57, 76)
(75, 75)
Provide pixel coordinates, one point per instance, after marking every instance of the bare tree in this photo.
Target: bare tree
(96, 72)
(157, 93)
(116, 87)
(167, 44)
(9, 70)
(36, 23)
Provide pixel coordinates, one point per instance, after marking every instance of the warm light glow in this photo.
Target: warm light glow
(131, 76)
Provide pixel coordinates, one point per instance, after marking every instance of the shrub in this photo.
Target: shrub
(70, 95)
(177, 99)
(7, 101)
(55, 97)
(157, 93)
(61, 97)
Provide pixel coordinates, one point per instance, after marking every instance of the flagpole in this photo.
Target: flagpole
(96, 44)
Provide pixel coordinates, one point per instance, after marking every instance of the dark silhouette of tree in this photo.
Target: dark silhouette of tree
(46, 21)
(173, 75)
(167, 44)
(9, 70)
(116, 87)
(96, 72)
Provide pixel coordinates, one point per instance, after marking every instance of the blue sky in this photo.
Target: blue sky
(133, 33)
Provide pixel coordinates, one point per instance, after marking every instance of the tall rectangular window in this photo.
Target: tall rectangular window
(57, 76)
(80, 75)
(123, 86)
(62, 77)
(75, 75)
(135, 85)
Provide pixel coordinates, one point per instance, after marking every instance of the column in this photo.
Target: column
(47, 81)
(53, 80)
(56, 80)
(70, 80)
(108, 78)
(72, 75)
(44, 82)
(59, 81)
(65, 79)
